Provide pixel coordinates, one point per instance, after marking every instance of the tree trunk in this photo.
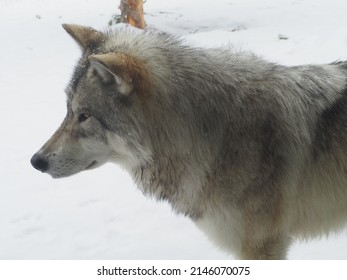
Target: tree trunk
(132, 13)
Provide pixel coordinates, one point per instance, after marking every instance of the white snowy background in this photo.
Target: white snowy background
(100, 214)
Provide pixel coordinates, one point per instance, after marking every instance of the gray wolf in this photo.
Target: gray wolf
(255, 153)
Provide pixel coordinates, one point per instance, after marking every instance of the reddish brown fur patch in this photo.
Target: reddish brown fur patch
(133, 71)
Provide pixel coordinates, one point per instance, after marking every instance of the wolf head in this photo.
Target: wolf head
(106, 85)
(135, 98)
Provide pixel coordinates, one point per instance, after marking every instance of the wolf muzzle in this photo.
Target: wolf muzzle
(39, 163)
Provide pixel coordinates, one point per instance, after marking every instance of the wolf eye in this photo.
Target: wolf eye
(83, 117)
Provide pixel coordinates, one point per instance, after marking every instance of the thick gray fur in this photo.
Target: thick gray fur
(255, 153)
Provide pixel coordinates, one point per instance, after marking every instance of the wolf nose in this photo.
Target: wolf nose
(39, 163)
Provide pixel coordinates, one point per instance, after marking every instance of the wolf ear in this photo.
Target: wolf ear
(118, 68)
(86, 37)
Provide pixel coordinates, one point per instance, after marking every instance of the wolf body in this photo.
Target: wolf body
(255, 153)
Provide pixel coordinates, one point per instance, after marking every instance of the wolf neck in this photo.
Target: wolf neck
(173, 179)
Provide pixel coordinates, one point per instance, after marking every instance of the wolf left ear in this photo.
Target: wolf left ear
(118, 68)
(86, 37)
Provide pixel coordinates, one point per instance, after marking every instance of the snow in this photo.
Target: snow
(100, 214)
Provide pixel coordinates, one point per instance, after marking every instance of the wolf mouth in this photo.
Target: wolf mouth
(90, 166)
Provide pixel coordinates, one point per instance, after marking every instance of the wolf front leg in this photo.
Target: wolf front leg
(249, 237)
(264, 228)
(269, 248)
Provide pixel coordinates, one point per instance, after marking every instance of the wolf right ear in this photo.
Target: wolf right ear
(86, 37)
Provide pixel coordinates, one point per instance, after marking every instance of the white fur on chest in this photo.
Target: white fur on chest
(222, 226)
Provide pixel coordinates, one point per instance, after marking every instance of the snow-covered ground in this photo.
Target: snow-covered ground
(100, 214)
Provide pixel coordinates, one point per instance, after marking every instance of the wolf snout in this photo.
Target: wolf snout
(39, 162)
